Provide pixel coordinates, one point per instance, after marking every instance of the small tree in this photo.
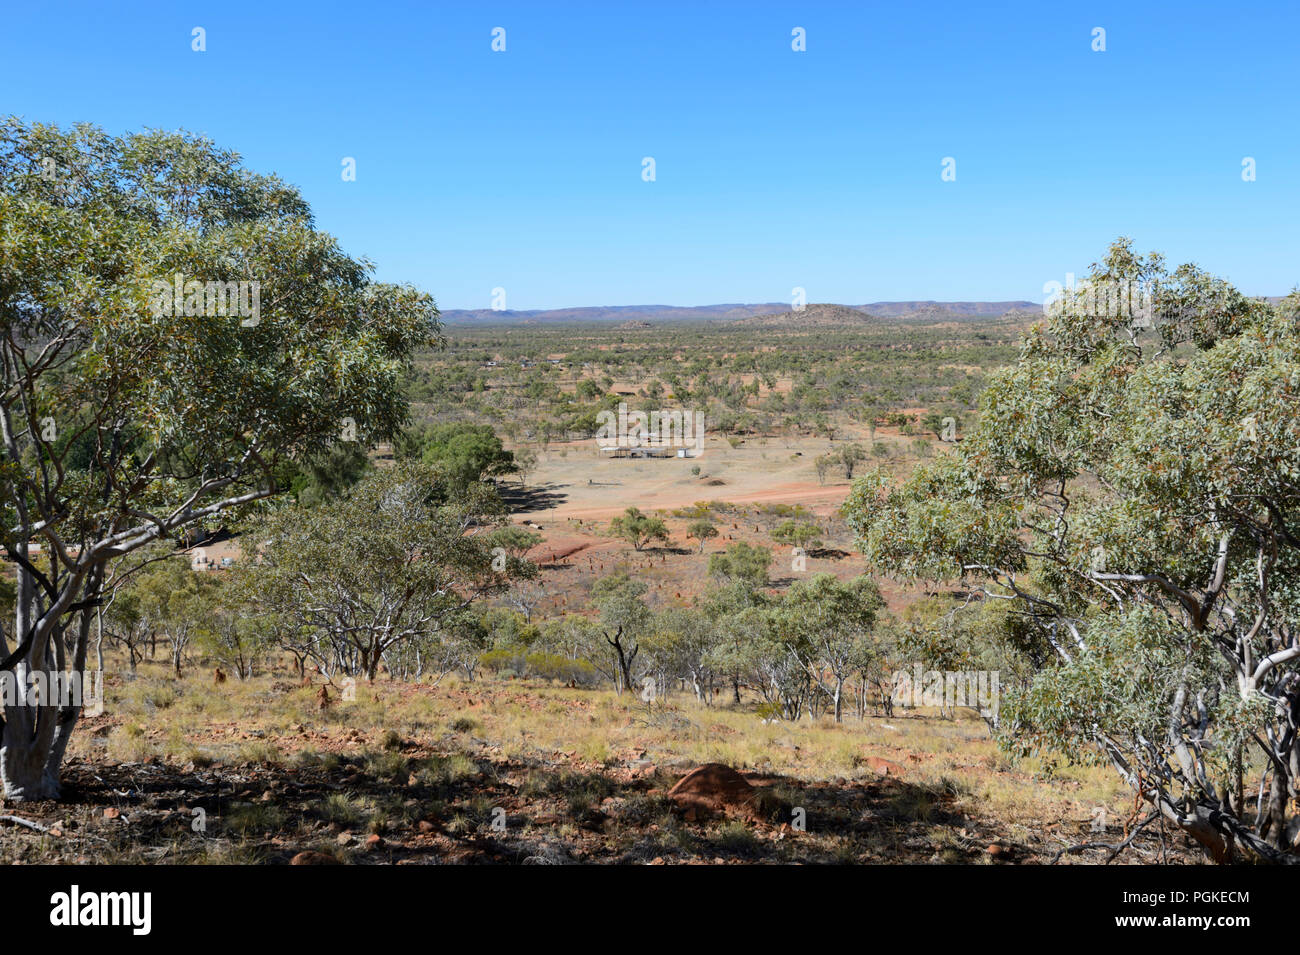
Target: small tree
(932, 421)
(638, 529)
(126, 625)
(823, 622)
(701, 530)
(464, 642)
(525, 595)
(850, 457)
(682, 640)
(803, 534)
(393, 561)
(743, 563)
(236, 639)
(525, 463)
(465, 453)
(824, 463)
(740, 573)
(624, 618)
(174, 597)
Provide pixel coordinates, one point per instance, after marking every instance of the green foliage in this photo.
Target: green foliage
(797, 534)
(329, 474)
(390, 563)
(618, 598)
(176, 339)
(464, 453)
(741, 562)
(1132, 488)
(638, 529)
(236, 639)
(850, 456)
(541, 665)
(701, 530)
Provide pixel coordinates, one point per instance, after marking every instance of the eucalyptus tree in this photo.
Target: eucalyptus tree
(772, 657)
(739, 573)
(741, 564)
(701, 529)
(175, 335)
(680, 643)
(1132, 488)
(823, 623)
(177, 600)
(638, 529)
(803, 534)
(236, 641)
(622, 612)
(401, 558)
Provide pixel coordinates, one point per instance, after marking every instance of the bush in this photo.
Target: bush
(554, 666)
(539, 665)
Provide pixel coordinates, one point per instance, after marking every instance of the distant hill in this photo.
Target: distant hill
(732, 312)
(811, 316)
(947, 311)
(613, 313)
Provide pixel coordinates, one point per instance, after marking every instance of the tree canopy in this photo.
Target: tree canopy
(399, 559)
(1132, 488)
(175, 334)
(464, 452)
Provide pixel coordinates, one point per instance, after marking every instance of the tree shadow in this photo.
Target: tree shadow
(530, 498)
(465, 808)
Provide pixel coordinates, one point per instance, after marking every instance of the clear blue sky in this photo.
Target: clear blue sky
(775, 169)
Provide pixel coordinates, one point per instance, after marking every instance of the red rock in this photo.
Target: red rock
(112, 813)
(884, 767)
(714, 787)
(313, 858)
(374, 841)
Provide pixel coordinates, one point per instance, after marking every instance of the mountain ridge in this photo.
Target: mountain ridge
(734, 311)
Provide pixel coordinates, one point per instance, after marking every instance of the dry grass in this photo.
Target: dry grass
(434, 772)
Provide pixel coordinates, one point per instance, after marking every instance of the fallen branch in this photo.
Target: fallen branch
(1115, 850)
(1082, 847)
(19, 821)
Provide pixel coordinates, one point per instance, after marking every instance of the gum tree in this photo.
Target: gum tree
(701, 530)
(174, 335)
(399, 560)
(622, 612)
(638, 529)
(824, 623)
(1132, 489)
(804, 534)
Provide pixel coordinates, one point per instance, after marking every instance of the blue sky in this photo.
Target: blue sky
(819, 169)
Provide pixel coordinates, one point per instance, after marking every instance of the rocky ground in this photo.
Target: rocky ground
(521, 774)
